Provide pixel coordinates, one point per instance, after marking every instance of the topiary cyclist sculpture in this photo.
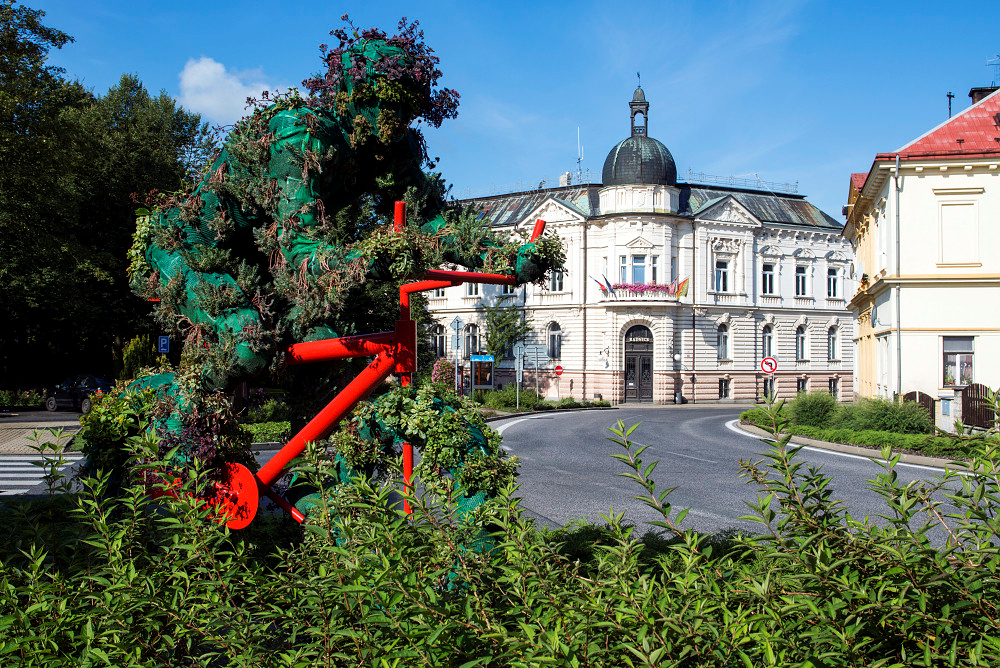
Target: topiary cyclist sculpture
(264, 253)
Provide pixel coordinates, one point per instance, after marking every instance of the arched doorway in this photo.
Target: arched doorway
(638, 364)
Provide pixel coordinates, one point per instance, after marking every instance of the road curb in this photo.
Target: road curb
(872, 453)
(552, 411)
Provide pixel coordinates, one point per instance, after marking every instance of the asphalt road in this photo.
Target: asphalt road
(567, 472)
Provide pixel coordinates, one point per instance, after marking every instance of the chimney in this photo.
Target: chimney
(977, 94)
(565, 179)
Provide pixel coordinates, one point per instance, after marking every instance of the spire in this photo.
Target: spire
(639, 108)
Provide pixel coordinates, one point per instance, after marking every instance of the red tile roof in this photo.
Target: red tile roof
(973, 132)
(858, 180)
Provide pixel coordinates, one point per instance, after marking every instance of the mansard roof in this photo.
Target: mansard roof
(768, 207)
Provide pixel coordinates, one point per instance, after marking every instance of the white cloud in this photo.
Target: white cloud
(216, 93)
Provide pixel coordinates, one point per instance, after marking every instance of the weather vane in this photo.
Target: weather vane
(639, 77)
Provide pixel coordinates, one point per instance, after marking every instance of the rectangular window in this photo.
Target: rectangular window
(767, 279)
(833, 385)
(769, 388)
(958, 358)
(639, 269)
(831, 283)
(800, 281)
(472, 289)
(722, 276)
(556, 281)
(654, 268)
(723, 388)
(509, 290)
(801, 385)
(623, 274)
(439, 292)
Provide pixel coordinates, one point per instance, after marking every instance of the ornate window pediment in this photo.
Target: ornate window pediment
(804, 253)
(729, 210)
(836, 256)
(725, 246)
(771, 251)
(639, 243)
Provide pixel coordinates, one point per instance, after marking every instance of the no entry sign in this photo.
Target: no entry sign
(559, 370)
(769, 365)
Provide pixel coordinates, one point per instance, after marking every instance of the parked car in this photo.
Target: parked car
(75, 392)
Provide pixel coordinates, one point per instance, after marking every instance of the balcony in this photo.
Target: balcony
(640, 293)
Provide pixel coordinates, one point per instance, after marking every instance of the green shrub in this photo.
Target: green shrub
(139, 354)
(507, 398)
(272, 410)
(907, 417)
(269, 432)
(814, 409)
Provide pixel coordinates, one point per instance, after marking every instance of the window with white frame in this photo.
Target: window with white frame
(509, 290)
(833, 386)
(767, 279)
(472, 289)
(722, 342)
(623, 269)
(639, 269)
(832, 277)
(767, 341)
(438, 340)
(832, 344)
(722, 275)
(958, 358)
(724, 388)
(800, 342)
(654, 268)
(471, 340)
(800, 281)
(556, 280)
(801, 385)
(768, 387)
(554, 337)
(439, 292)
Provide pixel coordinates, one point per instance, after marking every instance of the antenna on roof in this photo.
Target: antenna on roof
(579, 157)
(995, 64)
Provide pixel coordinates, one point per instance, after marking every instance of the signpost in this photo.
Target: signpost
(769, 365)
(518, 372)
(559, 370)
(163, 345)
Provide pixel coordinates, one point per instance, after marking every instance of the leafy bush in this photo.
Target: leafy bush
(507, 398)
(19, 398)
(444, 372)
(271, 410)
(270, 432)
(814, 409)
(157, 582)
(906, 417)
(139, 354)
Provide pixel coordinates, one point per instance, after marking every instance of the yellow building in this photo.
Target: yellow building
(925, 225)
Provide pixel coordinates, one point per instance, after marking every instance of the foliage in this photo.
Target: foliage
(443, 372)
(901, 417)
(644, 288)
(115, 417)
(814, 409)
(26, 398)
(70, 162)
(157, 582)
(505, 326)
(139, 354)
(270, 410)
(269, 432)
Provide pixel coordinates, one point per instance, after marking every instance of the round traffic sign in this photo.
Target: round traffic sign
(559, 370)
(769, 365)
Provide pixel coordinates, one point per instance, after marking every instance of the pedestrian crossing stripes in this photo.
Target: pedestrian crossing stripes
(19, 473)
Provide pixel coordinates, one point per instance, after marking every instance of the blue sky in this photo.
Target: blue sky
(788, 91)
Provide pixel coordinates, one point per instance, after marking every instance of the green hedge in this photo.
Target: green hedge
(942, 446)
(87, 580)
(269, 432)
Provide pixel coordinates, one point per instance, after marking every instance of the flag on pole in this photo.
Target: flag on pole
(672, 288)
(682, 289)
(608, 283)
(603, 287)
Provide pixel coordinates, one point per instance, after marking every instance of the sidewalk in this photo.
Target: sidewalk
(16, 429)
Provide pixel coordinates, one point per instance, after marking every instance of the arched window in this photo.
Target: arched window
(800, 342)
(831, 344)
(767, 341)
(554, 338)
(471, 340)
(722, 342)
(438, 340)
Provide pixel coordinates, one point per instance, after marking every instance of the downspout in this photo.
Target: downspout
(899, 340)
(694, 295)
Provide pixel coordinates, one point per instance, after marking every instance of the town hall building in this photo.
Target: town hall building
(673, 291)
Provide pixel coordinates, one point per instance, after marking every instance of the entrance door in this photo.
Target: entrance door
(638, 364)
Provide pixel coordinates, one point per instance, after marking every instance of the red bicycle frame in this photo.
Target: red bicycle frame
(395, 352)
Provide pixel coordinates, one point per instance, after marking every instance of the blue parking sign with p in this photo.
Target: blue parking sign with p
(163, 345)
